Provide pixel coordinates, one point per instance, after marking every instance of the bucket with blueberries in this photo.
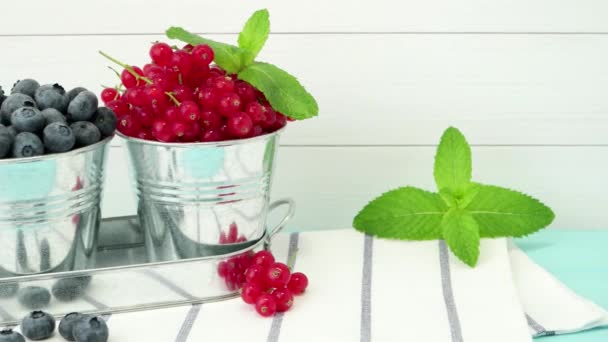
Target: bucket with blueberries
(194, 197)
(52, 153)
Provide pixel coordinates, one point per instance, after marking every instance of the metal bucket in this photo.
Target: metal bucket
(193, 196)
(50, 210)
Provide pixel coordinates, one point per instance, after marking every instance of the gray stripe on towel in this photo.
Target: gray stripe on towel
(537, 327)
(366, 290)
(191, 317)
(448, 294)
(277, 321)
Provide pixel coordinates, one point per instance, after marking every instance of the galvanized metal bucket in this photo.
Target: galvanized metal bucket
(194, 196)
(50, 210)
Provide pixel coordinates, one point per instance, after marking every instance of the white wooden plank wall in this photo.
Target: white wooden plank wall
(525, 81)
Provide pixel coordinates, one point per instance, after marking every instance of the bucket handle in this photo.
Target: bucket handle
(288, 216)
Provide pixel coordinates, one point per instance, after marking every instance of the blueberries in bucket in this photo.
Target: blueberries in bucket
(38, 325)
(34, 297)
(58, 121)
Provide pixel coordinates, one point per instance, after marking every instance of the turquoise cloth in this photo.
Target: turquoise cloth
(580, 260)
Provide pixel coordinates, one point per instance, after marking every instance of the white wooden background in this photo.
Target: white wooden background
(526, 81)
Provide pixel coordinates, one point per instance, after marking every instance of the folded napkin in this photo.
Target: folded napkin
(365, 289)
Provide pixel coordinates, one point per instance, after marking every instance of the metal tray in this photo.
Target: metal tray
(121, 280)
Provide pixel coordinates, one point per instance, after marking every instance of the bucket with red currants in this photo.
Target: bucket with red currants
(201, 124)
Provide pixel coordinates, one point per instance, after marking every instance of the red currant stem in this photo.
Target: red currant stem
(174, 47)
(115, 72)
(179, 79)
(105, 86)
(177, 103)
(128, 67)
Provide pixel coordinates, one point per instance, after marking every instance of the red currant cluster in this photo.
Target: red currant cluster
(270, 286)
(181, 97)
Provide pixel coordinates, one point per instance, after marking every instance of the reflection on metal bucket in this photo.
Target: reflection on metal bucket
(50, 210)
(190, 195)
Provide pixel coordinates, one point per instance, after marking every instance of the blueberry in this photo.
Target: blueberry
(105, 120)
(34, 297)
(8, 335)
(12, 131)
(27, 145)
(11, 104)
(28, 119)
(8, 290)
(38, 325)
(72, 93)
(26, 86)
(68, 289)
(6, 141)
(51, 96)
(86, 133)
(91, 329)
(58, 137)
(83, 106)
(66, 326)
(53, 115)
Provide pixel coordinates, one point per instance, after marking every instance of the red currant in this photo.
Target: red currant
(192, 132)
(203, 53)
(182, 93)
(280, 122)
(271, 118)
(250, 292)
(216, 71)
(189, 111)
(256, 111)
(143, 116)
(171, 114)
(284, 299)
(161, 53)
(119, 107)
(222, 269)
(298, 283)
(255, 274)
(188, 48)
(162, 131)
(155, 94)
(152, 70)
(128, 125)
(277, 275)
(266, 305)
(178, 128)
(223, 84)
(136, 96)
(256, 131)
(239, 125)
(129, 80)
(210, 119)
(245, 91)
(263, 258)
(211, 135)
(109, 94)
(145, 135)
(181, 62)
(208, 98)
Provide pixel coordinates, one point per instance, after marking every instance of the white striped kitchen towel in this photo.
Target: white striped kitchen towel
(364, 289)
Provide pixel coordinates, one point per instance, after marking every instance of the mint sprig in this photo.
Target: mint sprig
(282, 90)
(461, 213)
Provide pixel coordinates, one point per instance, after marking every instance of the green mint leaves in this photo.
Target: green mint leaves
(254, 34)
(461, 213)
(227, 56)
(282, 90)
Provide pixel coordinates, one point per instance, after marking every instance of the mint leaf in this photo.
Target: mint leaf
(282, 90)
(405, 213)
(461, 234)
(228, 57)
(503, 212)
(254, 34)
(453, 162)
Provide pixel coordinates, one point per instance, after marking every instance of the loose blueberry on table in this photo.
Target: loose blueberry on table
(36, 119)
(38, 325)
